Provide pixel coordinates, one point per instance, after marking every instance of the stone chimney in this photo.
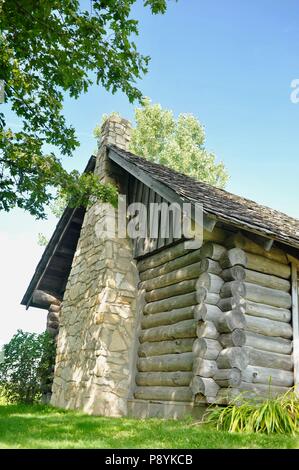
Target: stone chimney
(114, 131)
(97, 337)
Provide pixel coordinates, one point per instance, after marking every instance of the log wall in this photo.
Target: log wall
(177, 348)
(216, 322)
(258, 286)
(53, 329)
(172, 286)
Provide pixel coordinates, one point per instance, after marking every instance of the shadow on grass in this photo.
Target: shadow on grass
(46, 427)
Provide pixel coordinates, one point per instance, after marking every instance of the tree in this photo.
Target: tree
(178, 144)
(27, 366)
(48, 48)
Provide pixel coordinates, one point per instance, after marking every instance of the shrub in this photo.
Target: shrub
(28, 360)
(274, 415)
(3, 400)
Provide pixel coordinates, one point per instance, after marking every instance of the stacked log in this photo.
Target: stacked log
(173, 285)
(52, 328)
(229, 319)
(266, 306)
(216, 322)
(207, 347)
(53, 320)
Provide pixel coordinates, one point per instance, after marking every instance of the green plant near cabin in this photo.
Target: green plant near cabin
(26, 367)
(274, 415)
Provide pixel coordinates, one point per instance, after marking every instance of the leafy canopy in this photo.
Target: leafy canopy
(48, 48)
(27, 366)
(177, 143)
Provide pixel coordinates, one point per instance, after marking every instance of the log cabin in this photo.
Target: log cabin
(162, 324)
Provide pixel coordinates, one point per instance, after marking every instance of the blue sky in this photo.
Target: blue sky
(230, 63)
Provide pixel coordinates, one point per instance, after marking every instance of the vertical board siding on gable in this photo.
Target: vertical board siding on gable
(139, 192)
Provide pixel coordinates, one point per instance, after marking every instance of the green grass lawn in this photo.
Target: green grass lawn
(46, 427)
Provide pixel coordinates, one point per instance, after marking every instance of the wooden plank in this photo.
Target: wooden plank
(164, 191)
(163, 225)
(176, 212)
(160, 241)
(134, 192)
(170, 225)
(141, 241)
(147, 242)
(160, 188)
(138, 197)
(154, 223)
(295, 323)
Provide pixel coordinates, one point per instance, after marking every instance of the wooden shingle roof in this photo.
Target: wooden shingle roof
(225, 206)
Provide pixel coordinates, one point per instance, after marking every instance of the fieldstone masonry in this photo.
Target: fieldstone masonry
(95, 345)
